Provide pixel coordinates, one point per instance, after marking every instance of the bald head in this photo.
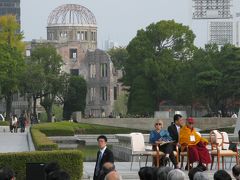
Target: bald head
(113, 175)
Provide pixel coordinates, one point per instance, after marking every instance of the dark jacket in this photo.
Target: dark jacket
(172, 129)
(106, 157)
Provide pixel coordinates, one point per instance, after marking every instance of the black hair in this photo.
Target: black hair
(221, 175)
(146, 173)
(6, 173)
(177, 117)
(236, 170)
(50, 167)
(58, 175)
(193, 171)
(102, 137)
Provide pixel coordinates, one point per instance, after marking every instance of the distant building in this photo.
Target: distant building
(109, 44)
(10, 7)
(72, 29)
(212, 9)
(224, 32)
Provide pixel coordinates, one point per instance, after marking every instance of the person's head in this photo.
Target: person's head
(108, 167)
(146, 173)
(158, 124)
(102, 141)
(58, 175)
(162, 172)
(193, 171)
(6, 174)
(221, 175)
(236, 171)
(178, 120)
(190, 122)
(176, 174)
(50, 167)
(113, 175)
(200, 176)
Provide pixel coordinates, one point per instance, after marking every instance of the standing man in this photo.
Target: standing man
(104, 155)
(174, 128)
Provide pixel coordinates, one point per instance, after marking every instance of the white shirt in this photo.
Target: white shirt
(102, 150)
(178, 128)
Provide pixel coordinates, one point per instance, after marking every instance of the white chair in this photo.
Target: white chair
(139, 149)
(220, 144)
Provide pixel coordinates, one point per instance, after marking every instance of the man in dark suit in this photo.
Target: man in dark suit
(174, 128)
(104, 155)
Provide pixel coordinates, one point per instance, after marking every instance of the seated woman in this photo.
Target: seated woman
(196, 144)
(159, 135)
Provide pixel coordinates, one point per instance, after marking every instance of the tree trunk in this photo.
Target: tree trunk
(8, 100)
(34, 105)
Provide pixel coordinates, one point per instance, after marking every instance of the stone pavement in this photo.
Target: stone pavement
(15, 142)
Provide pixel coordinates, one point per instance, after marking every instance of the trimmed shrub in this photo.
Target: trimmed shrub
(41, 141)
(56, 129)
(70, 161)
(4, 123)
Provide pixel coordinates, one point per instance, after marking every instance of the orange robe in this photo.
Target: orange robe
(196, 146)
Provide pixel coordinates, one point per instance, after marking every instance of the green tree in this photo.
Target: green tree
(49, 62)
(118, 56)
(154, 55)
(75, 97)
(11, 59)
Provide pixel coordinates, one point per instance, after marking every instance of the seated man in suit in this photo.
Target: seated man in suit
(174, 128)
(196, 144)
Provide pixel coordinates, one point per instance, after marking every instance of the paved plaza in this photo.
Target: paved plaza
(19, 142)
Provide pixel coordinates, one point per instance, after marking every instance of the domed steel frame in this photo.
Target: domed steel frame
(71, 14)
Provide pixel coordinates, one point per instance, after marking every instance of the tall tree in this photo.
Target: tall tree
(118, 56)
(75, 96)
(153, 55)
(47, 59)
(11, 58)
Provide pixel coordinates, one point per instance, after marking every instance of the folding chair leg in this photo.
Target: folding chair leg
(222, 162)
(230, 164)
(218, 162)
(212, 162)
(139, 160)
(146, 161)
(131, 162)
(182, 159)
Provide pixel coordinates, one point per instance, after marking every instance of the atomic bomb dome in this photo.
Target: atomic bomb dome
(71, 14)
(73, 22)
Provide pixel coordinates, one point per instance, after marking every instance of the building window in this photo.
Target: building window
(103, 93)
(92, 94)
(74, 72)
(82, 35)
(73, 53)
(103, 70)
(86, 35)
(92, 70)
(115, 93)
(78, 35)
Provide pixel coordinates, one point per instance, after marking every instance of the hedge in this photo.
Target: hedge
(66, 128)
(41, 141)
(69, 160)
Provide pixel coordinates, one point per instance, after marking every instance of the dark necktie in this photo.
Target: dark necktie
(98, 163)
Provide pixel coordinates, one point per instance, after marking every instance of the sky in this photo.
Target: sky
(117, 20)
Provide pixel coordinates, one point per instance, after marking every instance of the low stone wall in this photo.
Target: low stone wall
(147, 123)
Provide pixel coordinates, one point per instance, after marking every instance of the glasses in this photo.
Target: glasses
(190, 123)
(158, 124)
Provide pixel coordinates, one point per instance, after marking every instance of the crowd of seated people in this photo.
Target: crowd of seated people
(183, 136)
(168, 173)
